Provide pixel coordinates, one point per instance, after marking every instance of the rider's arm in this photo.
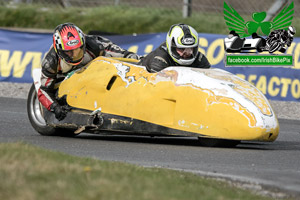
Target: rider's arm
(113, 50)
(46, 93)
(157, 64)
(156, 61)
(273, 35)
(202, 61)
(289, 41)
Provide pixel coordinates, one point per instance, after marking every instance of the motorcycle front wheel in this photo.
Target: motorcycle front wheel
(274, 47)
(35, 114)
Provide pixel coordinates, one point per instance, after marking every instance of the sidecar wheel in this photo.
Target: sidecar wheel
(34, 111)
(212, 142)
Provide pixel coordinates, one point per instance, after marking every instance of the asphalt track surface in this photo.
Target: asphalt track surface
(275, 166)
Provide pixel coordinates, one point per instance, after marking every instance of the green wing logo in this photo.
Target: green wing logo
(284, 19)
(236, 23)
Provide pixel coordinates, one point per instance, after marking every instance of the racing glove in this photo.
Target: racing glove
(134, 56)
(59, 111)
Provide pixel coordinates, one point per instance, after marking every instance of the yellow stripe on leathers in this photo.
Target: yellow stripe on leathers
(159, 98)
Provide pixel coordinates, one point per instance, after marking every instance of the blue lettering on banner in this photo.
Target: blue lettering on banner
(20, 52)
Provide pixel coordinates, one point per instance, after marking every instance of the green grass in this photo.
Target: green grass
(29, 172)
(116, 19)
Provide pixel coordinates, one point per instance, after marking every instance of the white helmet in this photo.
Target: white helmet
(182, 44)
(291, 31)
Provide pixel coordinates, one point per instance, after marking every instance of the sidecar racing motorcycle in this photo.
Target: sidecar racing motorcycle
(117, 96)
(234, 44)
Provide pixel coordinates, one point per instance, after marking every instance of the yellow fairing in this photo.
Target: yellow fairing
(208, 102)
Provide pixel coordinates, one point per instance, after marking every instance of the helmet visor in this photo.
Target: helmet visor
(185, 53)
(74, 55)
(291, 33)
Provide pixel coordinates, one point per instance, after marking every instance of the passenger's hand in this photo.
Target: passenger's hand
(134, 56)
(59, 111)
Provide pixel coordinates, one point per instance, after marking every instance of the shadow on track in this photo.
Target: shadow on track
(190, 141)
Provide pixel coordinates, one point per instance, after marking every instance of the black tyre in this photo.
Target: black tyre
(34, 111)
(212, 142)
(274, 47)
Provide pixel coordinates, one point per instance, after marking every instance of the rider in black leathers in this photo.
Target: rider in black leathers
(71, 50)
(285, 37)
(180, 49)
